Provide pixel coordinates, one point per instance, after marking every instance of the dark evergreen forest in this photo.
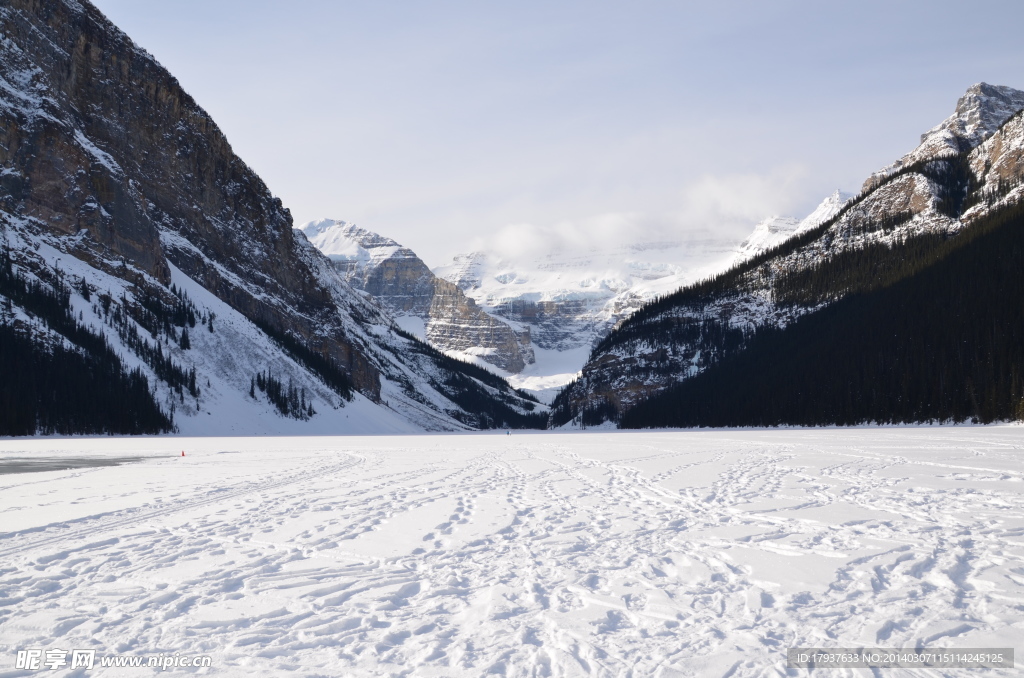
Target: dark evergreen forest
(289, 400)
(931, 332)
(80, 388)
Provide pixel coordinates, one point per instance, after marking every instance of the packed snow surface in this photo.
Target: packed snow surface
(589, 554)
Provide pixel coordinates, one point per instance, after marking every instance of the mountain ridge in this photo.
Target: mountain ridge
(937, 195)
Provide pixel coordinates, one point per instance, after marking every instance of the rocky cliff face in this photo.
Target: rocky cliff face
(109, 169)
(964, 168)
(102, 146)
(399, 279)
(456, 323)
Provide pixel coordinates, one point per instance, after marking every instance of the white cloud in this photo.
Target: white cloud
(725, 206)
(738, 201)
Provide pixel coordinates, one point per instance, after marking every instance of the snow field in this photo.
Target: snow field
(605, 554)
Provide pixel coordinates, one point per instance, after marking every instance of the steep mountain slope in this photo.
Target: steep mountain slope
(421, 303)
(965, 168)
(945, 344)
(115, 183)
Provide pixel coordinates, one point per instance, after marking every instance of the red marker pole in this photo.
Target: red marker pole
(183, 453)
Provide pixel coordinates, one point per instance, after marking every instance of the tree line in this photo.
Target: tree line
(72, 383)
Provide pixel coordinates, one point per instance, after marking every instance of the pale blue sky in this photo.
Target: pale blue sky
(440, 123)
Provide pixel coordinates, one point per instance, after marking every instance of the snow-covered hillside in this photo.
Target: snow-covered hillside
(229, 352)
(136, 226)
(611, 554)
(226, 355)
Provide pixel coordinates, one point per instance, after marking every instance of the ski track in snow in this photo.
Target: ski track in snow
(604, 554)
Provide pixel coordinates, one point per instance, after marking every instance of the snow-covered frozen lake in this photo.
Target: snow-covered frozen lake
(598, 554)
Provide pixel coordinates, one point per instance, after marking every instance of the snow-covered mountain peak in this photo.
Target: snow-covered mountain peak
(979, 113)
(825, 210)
(343, 241)
(318, 227)
(981, 110)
